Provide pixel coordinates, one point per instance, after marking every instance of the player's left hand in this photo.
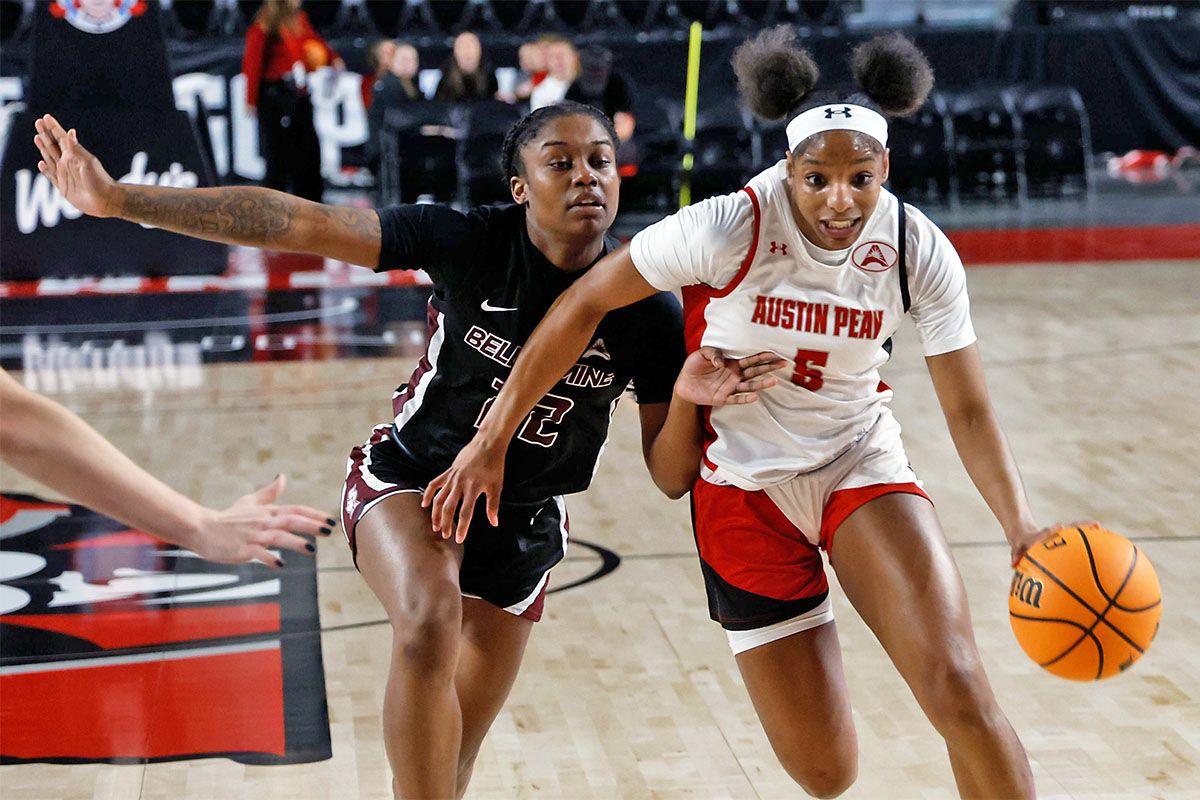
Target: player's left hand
(708, 378)
(74, 171)
(248, 529)
(1022, 540)
(478, 469)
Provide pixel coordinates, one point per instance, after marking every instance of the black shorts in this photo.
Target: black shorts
(508, 566)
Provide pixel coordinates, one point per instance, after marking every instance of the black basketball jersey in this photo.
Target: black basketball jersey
(491, 287)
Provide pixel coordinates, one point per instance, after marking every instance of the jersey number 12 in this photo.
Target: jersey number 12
(538, 427)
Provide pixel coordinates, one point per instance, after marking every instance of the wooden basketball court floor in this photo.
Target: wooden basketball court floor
(628, 690)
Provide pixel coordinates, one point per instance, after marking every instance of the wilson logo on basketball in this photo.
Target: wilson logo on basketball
(1026, 589)
(874, 256)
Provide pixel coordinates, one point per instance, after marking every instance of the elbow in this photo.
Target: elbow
(970, 417)
(676, 492)
(676, 485)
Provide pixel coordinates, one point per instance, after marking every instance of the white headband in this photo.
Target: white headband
(838, 117)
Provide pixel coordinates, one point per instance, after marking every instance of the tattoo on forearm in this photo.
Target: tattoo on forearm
(347, 222)
(235, 215)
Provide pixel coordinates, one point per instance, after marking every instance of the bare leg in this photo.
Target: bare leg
(892, 560)
(414, 573)
(493, 643)
(799, 692)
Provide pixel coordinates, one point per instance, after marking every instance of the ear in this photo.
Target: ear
(791, 166)
(519, 188)
(887, 165)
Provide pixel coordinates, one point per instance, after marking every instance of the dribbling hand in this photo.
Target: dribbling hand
(708, 378)
(253, 524)
(75, 172)
(1022, 541)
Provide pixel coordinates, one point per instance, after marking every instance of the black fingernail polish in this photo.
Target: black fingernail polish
(279, 562)
(310, 547)
(330, 521)
(326, 531)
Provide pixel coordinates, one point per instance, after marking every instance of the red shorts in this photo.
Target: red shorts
(759, 568)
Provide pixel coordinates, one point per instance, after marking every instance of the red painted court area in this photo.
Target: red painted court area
(1049, 245)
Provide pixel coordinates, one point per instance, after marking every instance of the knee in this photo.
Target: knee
(426, 630)
(958, 700)
(823, 777)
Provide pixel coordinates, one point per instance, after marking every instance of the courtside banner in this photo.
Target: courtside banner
(101, 68)
(117, 647)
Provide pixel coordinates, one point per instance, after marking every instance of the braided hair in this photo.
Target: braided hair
(776, 77)
(529, 126)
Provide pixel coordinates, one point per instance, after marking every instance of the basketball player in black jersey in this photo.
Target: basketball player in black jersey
(461, 613)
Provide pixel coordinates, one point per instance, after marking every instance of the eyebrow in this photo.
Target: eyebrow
(826, 163)
(568, 144)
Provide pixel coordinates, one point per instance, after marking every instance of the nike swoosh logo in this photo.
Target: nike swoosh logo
(487, 306)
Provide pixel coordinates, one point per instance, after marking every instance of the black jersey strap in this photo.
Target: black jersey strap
(902, 235)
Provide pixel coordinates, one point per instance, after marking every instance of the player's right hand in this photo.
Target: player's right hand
(75, 172)
(477, 470)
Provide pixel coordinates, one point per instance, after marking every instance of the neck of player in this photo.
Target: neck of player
(570, 254)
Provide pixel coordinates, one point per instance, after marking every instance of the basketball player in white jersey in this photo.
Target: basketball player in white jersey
(817, 262)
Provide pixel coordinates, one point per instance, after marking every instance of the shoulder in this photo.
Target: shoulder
(928, 247)
(718, 218)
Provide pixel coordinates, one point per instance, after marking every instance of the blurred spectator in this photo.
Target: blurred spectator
(562, 66)
(281, 50)
(466, 75)
(379, 60)
(397, 86)
(531, 59)
(602, 87)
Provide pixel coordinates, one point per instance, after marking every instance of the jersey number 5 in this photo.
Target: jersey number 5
(538, 426)
(806, 373)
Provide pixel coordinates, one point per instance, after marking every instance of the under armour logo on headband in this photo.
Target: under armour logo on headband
(847, 117)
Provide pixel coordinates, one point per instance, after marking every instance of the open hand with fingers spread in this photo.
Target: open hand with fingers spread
(248, 529)
(477, 470)
(708, 378)
(74, 171)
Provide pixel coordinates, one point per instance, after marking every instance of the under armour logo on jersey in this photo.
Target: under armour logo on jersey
(597, 348)
(351, 501)
(844, 111)
(776, 247)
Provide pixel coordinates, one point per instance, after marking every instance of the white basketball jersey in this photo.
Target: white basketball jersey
(749, 284)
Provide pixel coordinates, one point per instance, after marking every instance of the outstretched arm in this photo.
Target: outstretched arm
(54, 446)
(552, 348)
(244, 215)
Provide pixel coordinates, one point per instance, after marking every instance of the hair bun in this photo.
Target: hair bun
(893, 73)
(773, 74)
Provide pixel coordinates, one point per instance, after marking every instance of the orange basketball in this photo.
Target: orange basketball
(1085, 603)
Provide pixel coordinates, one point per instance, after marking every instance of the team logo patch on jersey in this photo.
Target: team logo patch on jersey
(874, 256)
(119, 647)
(597, 348)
